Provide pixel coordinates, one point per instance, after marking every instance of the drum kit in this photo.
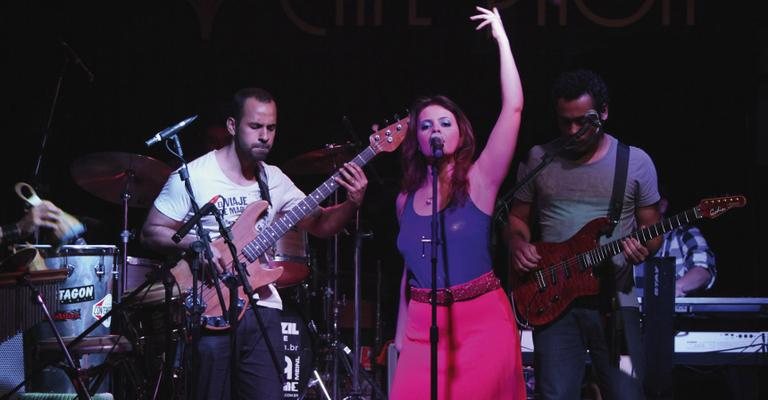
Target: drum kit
(140, 353)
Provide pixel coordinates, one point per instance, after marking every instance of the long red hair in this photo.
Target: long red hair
(415, 164)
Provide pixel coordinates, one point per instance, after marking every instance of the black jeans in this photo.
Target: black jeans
(560, 352)
(257, 376)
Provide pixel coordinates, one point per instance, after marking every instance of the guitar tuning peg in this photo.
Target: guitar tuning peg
(386, 122)
(397, 117)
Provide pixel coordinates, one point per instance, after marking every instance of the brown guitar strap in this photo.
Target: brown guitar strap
(619, 186)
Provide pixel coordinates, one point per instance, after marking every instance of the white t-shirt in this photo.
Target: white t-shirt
(208, 180)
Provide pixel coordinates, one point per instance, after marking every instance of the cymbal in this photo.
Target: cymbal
(108, 175)
(320, 161)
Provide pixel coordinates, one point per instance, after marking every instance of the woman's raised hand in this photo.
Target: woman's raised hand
(491, 17)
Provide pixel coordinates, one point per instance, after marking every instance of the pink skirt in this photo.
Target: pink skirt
(478, 353)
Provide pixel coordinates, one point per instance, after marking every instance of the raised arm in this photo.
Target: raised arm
(494, 161)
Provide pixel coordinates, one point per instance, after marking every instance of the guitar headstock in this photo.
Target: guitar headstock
(389, 138)
(714, 207)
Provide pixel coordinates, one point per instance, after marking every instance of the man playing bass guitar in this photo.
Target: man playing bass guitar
(232, 176)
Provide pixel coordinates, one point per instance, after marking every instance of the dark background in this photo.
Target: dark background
(688, 83)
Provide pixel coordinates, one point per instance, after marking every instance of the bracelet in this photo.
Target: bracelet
(11, 233)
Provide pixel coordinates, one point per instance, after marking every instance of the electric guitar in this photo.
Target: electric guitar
(252, 244)
(566, 271)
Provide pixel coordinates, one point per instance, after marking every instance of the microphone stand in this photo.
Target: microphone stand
(434, 244)
(70, 56)
(200, 246)
(47, 130)
(502, 205)
(232, 284)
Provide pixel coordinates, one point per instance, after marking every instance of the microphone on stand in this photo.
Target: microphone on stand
(204, 210)
(593, 117)
(72, 55)
(590, 120)
(436, 142)
(168, 132)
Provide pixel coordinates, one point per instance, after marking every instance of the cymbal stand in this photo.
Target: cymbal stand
(355, 393)
(125, 235)
(333, 291)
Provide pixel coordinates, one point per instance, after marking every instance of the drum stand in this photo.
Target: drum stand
(338, 350)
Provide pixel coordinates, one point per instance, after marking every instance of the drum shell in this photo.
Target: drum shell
(291, 252)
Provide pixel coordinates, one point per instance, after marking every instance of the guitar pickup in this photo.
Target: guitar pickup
(566, 270)
(540, 281)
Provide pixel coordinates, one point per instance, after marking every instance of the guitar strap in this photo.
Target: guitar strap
(263, 187)
(619, 186)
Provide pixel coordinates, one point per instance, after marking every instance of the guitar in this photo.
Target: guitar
(566, 272)
(252, 244)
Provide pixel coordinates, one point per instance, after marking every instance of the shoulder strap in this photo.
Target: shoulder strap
(619, 185)
(263, 187)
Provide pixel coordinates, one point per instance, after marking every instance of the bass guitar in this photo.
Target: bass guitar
(252, 244)
(566, 271)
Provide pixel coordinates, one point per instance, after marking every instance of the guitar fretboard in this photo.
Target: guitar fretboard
(601, 253)
(270, 235)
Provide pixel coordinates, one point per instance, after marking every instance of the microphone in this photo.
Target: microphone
(593, 118)
(436, 142)
(204, 210)
(77, 60)
(168, 132)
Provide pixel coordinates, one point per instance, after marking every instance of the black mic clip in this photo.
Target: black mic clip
(208, 208)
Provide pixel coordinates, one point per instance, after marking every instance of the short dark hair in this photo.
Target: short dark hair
(573, 84)
(238, 100)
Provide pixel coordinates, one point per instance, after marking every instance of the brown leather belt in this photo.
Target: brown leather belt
(466, 291)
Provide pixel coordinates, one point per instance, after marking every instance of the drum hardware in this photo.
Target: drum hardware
(129, 180)
(324, 161)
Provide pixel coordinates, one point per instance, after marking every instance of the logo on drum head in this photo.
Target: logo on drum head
(76, 294)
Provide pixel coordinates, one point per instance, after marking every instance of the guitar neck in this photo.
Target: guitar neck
(270, 235)
(601, 253)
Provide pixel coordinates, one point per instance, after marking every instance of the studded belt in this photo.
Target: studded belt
(466, 291)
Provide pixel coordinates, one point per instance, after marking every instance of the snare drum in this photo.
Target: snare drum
(291, 253)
